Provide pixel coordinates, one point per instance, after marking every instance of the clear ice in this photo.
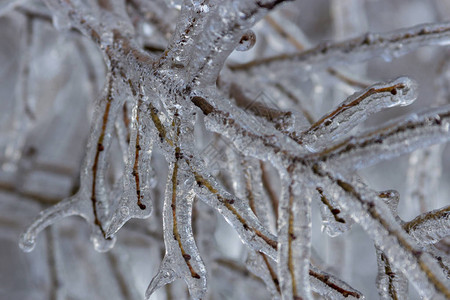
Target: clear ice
(220, 133)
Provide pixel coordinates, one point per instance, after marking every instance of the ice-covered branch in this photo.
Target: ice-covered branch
(417, 131)
(386, 45)
(163, 97)
(430, 227)
(178, 237)
(90, 202)
(357, 108)
(294, 238)
(375, 217)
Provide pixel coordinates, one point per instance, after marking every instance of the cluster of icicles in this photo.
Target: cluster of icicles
(152, 102)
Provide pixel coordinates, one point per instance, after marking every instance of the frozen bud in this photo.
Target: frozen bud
(247, 41)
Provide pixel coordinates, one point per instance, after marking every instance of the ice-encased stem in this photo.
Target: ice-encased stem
(357, 108)
(181, 259)
(237, 212)
(391, 284)
(390, 141)
(430, 227)
(135, 201)
(329, 286)
(294, 239)
(387, 45)
(90, 202)
(367, 209)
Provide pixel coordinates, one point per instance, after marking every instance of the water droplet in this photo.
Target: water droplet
(27, 243)
(101, 244)
(407, 94)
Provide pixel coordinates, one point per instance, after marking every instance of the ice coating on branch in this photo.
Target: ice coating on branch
(393, 140)
(167, 75)
(441, 258)
(135, 201)
(257, 262)
(430, 227)
(238, 213)
(386, 45)
(248, 135)
(375, 217)
(181, 259)
(90, 202)
(259, 265)
(392, 199)
(358, 107)
(330, 287)
(294, 240)
(334, 220)
(391, 283)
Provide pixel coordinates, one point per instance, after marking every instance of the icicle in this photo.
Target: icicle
(235, 168)
(90, 202)
(136, 200)
(181, 259)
